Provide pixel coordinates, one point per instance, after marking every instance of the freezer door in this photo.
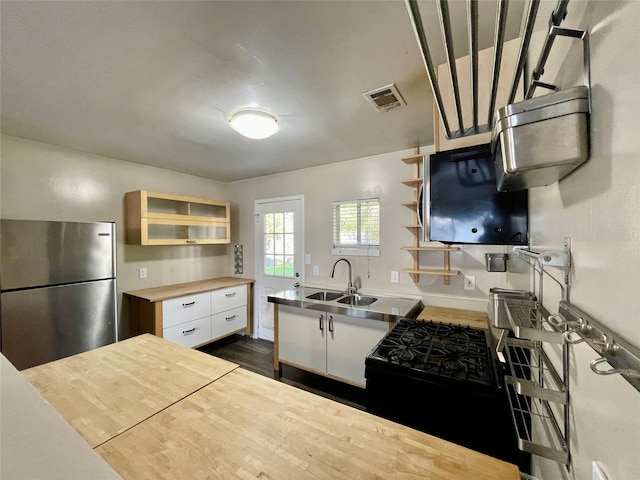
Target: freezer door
(39, 253)
(43, 324)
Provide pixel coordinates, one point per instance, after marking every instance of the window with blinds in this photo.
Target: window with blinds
(356, 227)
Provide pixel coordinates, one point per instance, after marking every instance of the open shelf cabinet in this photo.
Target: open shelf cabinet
(166, 219)
(415, 183)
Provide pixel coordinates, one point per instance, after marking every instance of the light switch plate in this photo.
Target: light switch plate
(394, 277)
(316, 270)
(142, 272)
(307, 259)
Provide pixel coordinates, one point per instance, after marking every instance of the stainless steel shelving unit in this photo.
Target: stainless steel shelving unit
(537, 392)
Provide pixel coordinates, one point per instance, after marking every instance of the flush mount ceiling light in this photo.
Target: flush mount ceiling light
(253, 122)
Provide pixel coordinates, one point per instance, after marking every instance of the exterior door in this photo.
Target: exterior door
(279, 254)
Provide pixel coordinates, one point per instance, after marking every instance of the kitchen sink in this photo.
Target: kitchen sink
(358, 300)
(324, 296)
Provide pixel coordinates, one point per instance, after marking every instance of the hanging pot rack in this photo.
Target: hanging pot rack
(526, 30)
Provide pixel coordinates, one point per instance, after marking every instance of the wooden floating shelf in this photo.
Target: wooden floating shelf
(434, 271)
(414, 158)
(431, 249)
(412, 182)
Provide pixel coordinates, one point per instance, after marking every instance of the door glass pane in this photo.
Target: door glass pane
(288, 222)
(279, 240)
(279, 270)
(279, 249)
(278, 222)
(269, 264)
(268, 223)
(288, 266)
(269, 244)
(288, 243)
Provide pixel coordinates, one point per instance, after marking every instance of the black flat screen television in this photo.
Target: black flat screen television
(463, 205)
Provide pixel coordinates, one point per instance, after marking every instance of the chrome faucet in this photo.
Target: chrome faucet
(350, 288)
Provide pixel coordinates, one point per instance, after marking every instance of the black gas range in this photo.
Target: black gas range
(445, 380)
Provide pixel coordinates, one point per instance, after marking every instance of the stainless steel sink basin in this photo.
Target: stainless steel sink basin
(358, 300)
(324, 296)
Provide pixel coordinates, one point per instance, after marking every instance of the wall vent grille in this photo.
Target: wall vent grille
(385, 98)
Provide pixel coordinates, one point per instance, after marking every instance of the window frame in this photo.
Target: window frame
(358, 249)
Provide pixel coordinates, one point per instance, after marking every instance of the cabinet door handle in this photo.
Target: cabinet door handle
(187, 305)
(228, 319)
(320, 324)
(331, 323)
(229, 295)
(189, 332)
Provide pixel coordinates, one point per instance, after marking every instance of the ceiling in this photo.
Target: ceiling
(150, 81)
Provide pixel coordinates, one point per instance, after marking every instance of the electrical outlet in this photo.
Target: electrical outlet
(142, 272)
(469, 282)
(316, 270)
(394, 277)
(307, 259)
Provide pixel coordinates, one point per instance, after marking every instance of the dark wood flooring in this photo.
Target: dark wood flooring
(257, 355)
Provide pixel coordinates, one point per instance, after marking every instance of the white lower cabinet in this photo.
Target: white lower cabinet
(201, 318)
(191, 333)
(224, 323)
(349, 341)
(327, 343)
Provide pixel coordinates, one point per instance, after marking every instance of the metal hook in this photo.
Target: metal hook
(622, 371)
(567, 338)
(605, 345)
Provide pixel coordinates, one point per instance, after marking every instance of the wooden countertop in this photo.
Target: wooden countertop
(248, 426)
(157, 294)
(237, 424)
(105, 391)
(457, 316)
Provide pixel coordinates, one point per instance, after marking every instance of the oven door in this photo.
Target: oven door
(463, 413)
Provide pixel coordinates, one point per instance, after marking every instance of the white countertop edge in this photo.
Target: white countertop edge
(36, 442)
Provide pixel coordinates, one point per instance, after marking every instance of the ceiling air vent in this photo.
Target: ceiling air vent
(385, 98)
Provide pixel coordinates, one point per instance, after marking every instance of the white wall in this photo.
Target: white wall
(377, 176)
(598, 206)
(45, 182)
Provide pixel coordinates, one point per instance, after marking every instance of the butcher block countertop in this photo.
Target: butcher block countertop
(157, 294)
(469, 318)
(212, 419)
(105, 391)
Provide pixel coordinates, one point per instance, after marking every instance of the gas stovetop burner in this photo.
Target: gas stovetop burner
(446, 350)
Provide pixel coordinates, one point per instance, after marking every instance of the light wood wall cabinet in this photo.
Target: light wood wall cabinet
(416, 229)
(165, 219)
(193, 314)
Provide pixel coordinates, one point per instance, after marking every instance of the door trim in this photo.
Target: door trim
(257, 256)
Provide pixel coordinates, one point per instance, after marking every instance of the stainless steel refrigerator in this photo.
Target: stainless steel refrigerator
(58, 289)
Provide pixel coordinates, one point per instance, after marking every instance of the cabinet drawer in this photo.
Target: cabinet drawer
(228, 298)
(229, 321)
(190, 333)
(183, 309)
